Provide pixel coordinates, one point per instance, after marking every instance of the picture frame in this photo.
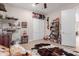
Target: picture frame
(24, 24)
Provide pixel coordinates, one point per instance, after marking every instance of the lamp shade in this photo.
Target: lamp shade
(2, 7)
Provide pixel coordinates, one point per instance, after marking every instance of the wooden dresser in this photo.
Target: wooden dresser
(5, 40)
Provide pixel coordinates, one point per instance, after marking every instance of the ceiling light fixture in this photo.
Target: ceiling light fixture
(33, 4)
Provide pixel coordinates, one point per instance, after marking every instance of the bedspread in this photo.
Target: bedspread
(4, 51)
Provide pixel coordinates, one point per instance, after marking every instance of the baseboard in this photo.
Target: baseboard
(68, 46)
(34, 40)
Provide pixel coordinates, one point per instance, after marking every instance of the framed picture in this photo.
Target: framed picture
(1, 25)
(24, 24)
(47, 22)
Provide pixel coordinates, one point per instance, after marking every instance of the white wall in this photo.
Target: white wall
(25, 15)
(77, 28)
(58, 14)
(22, 15)
(77, 19)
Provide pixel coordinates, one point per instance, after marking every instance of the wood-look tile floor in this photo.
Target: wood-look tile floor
(31, 44)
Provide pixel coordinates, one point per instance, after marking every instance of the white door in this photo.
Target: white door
(68, 27)
(38, 29)
(77, 36)
(41, 29)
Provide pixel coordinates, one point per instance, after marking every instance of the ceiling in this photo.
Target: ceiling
(51, 7)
